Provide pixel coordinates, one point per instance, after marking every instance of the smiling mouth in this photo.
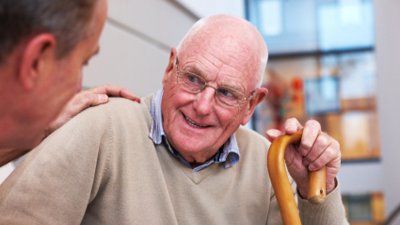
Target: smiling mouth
(192, 123)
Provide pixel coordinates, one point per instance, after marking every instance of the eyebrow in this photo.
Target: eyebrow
(196, 71)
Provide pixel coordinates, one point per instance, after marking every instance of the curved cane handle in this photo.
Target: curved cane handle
(280, 180)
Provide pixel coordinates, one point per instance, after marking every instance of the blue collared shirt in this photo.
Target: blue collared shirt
(228, 155)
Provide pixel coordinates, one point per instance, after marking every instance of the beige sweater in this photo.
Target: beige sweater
(102, 168)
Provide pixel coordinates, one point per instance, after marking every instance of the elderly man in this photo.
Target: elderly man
(44, 45)
(182, 156)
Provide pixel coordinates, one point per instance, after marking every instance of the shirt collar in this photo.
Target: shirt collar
(228, 155)
(157, 130)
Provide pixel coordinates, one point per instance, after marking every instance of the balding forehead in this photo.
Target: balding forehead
(223, 26)
(228, 38)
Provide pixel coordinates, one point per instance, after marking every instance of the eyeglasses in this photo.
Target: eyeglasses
(225, 96)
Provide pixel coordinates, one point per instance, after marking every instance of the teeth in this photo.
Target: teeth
(191, 122)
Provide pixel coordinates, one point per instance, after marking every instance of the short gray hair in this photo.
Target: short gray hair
(67, 20)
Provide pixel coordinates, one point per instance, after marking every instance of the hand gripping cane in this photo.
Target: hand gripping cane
(280, 180)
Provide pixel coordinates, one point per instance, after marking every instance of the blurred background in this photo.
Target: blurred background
(331, 60)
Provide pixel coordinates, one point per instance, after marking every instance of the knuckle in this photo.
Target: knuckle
(336, 144)
(313, 124)
(289, 121)
(331, 154)
(323, 140)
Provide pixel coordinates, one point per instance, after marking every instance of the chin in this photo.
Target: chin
(182, 144)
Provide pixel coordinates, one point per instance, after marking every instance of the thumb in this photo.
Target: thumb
(272, 134)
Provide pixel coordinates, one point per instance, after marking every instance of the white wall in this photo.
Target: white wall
(208, 7)
(388, 66)
(136, 42)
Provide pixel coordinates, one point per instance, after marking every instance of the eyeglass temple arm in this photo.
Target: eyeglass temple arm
(280, 181)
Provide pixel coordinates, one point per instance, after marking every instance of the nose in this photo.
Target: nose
(204, 101)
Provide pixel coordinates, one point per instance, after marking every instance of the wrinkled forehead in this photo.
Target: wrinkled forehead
(223, 51)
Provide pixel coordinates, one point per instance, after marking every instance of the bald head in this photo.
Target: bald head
(232, 36)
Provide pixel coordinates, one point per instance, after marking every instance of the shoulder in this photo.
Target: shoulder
(97, 126)
(118, 112)
(117, 107)
(249, 138)
(253, 147)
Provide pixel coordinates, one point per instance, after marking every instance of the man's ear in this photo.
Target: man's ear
(171, 62)
(37, 60)
(259, 96)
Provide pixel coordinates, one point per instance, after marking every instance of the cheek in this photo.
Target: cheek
(175, 97)
(230, 120)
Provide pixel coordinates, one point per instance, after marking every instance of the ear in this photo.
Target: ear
(259, 96)
(37, 60)
(171, 62)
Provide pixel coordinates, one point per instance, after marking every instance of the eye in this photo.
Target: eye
(194, 79)
(227, 93)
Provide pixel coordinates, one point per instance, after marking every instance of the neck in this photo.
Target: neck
(12, 114)
(196, 159)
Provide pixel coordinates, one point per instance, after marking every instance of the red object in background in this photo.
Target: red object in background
(297, 85)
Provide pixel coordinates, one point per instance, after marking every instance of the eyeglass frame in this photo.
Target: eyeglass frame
(206, 84)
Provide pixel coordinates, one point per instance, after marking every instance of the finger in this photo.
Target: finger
(86, 100)
(310, 133)
(272, 134)
(116, 91)
(106, 89)
(129, 95)
(332, 167)
(331, 173)
(328, 157)
(292, 125)
(322, 142)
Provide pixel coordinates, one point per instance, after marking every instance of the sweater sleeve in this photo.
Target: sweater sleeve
(58, 179)
(330, 212)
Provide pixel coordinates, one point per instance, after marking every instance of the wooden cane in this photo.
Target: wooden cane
(280, 181)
